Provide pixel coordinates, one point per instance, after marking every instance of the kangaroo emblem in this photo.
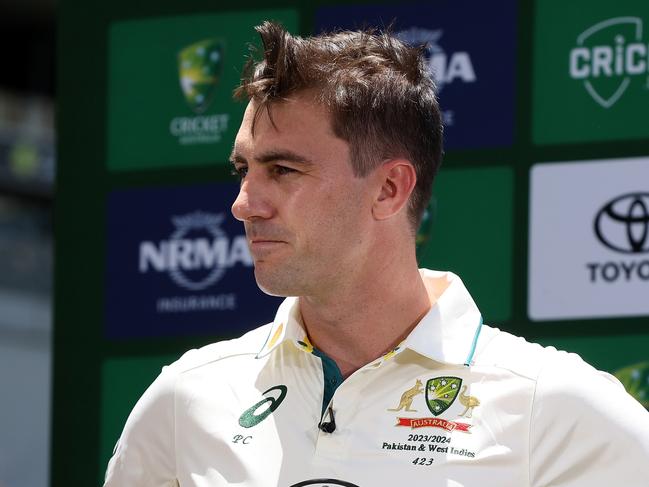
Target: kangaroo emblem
(469, 402)
(408, 396)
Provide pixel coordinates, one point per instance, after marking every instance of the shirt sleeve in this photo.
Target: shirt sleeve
(145, 453)
(585, 429)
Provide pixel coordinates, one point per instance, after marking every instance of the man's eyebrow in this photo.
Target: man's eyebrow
(273, 156)
(236, 157)
(283, 155)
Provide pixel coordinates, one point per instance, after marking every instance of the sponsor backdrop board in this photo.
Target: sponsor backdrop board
(170, 87)
(476, 92)
(123, 380)
(178, 263)
(625, 357)
(589, 248)
(591, 71)
(469, 229)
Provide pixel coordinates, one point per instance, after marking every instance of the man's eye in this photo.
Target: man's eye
(282, 170)
(240, 172)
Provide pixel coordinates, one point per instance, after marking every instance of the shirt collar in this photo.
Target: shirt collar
(447, 333)
(287, 326)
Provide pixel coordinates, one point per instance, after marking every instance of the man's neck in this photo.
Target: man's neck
(363, 320)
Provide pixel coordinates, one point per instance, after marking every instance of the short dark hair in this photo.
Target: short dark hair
(377, 89)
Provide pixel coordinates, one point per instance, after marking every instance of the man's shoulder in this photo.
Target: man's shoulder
(531, 360)
(564, 388)
(248, 344)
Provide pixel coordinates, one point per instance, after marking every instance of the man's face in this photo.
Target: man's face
(305, 213)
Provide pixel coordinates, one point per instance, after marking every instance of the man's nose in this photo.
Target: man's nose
(252, 202)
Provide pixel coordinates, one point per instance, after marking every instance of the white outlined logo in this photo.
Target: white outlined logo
(198, 244)
(608, 56)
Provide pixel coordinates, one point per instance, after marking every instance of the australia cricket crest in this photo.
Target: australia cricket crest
(200, 68)
(441, 393)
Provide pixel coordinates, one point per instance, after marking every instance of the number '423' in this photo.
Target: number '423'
(423, 461)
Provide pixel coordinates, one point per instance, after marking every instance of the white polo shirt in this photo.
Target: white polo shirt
(456, 404)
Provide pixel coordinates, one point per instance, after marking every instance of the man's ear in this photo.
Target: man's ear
(397, 179)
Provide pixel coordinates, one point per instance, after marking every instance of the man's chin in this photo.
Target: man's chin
(274, 283)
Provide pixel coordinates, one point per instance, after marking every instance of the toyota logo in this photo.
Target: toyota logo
(623, 223)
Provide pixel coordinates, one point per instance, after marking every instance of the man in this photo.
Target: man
(376, 373)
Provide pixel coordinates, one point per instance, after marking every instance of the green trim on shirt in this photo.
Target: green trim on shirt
(332, 378)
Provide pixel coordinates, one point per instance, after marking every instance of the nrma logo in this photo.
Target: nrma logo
(197, 254)
(445, 68)
(608, 56)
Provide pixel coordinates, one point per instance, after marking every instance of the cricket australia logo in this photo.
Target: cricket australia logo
(200, 67)
(198, 252)
(608, 56)
(441, 393)
(425, 231)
